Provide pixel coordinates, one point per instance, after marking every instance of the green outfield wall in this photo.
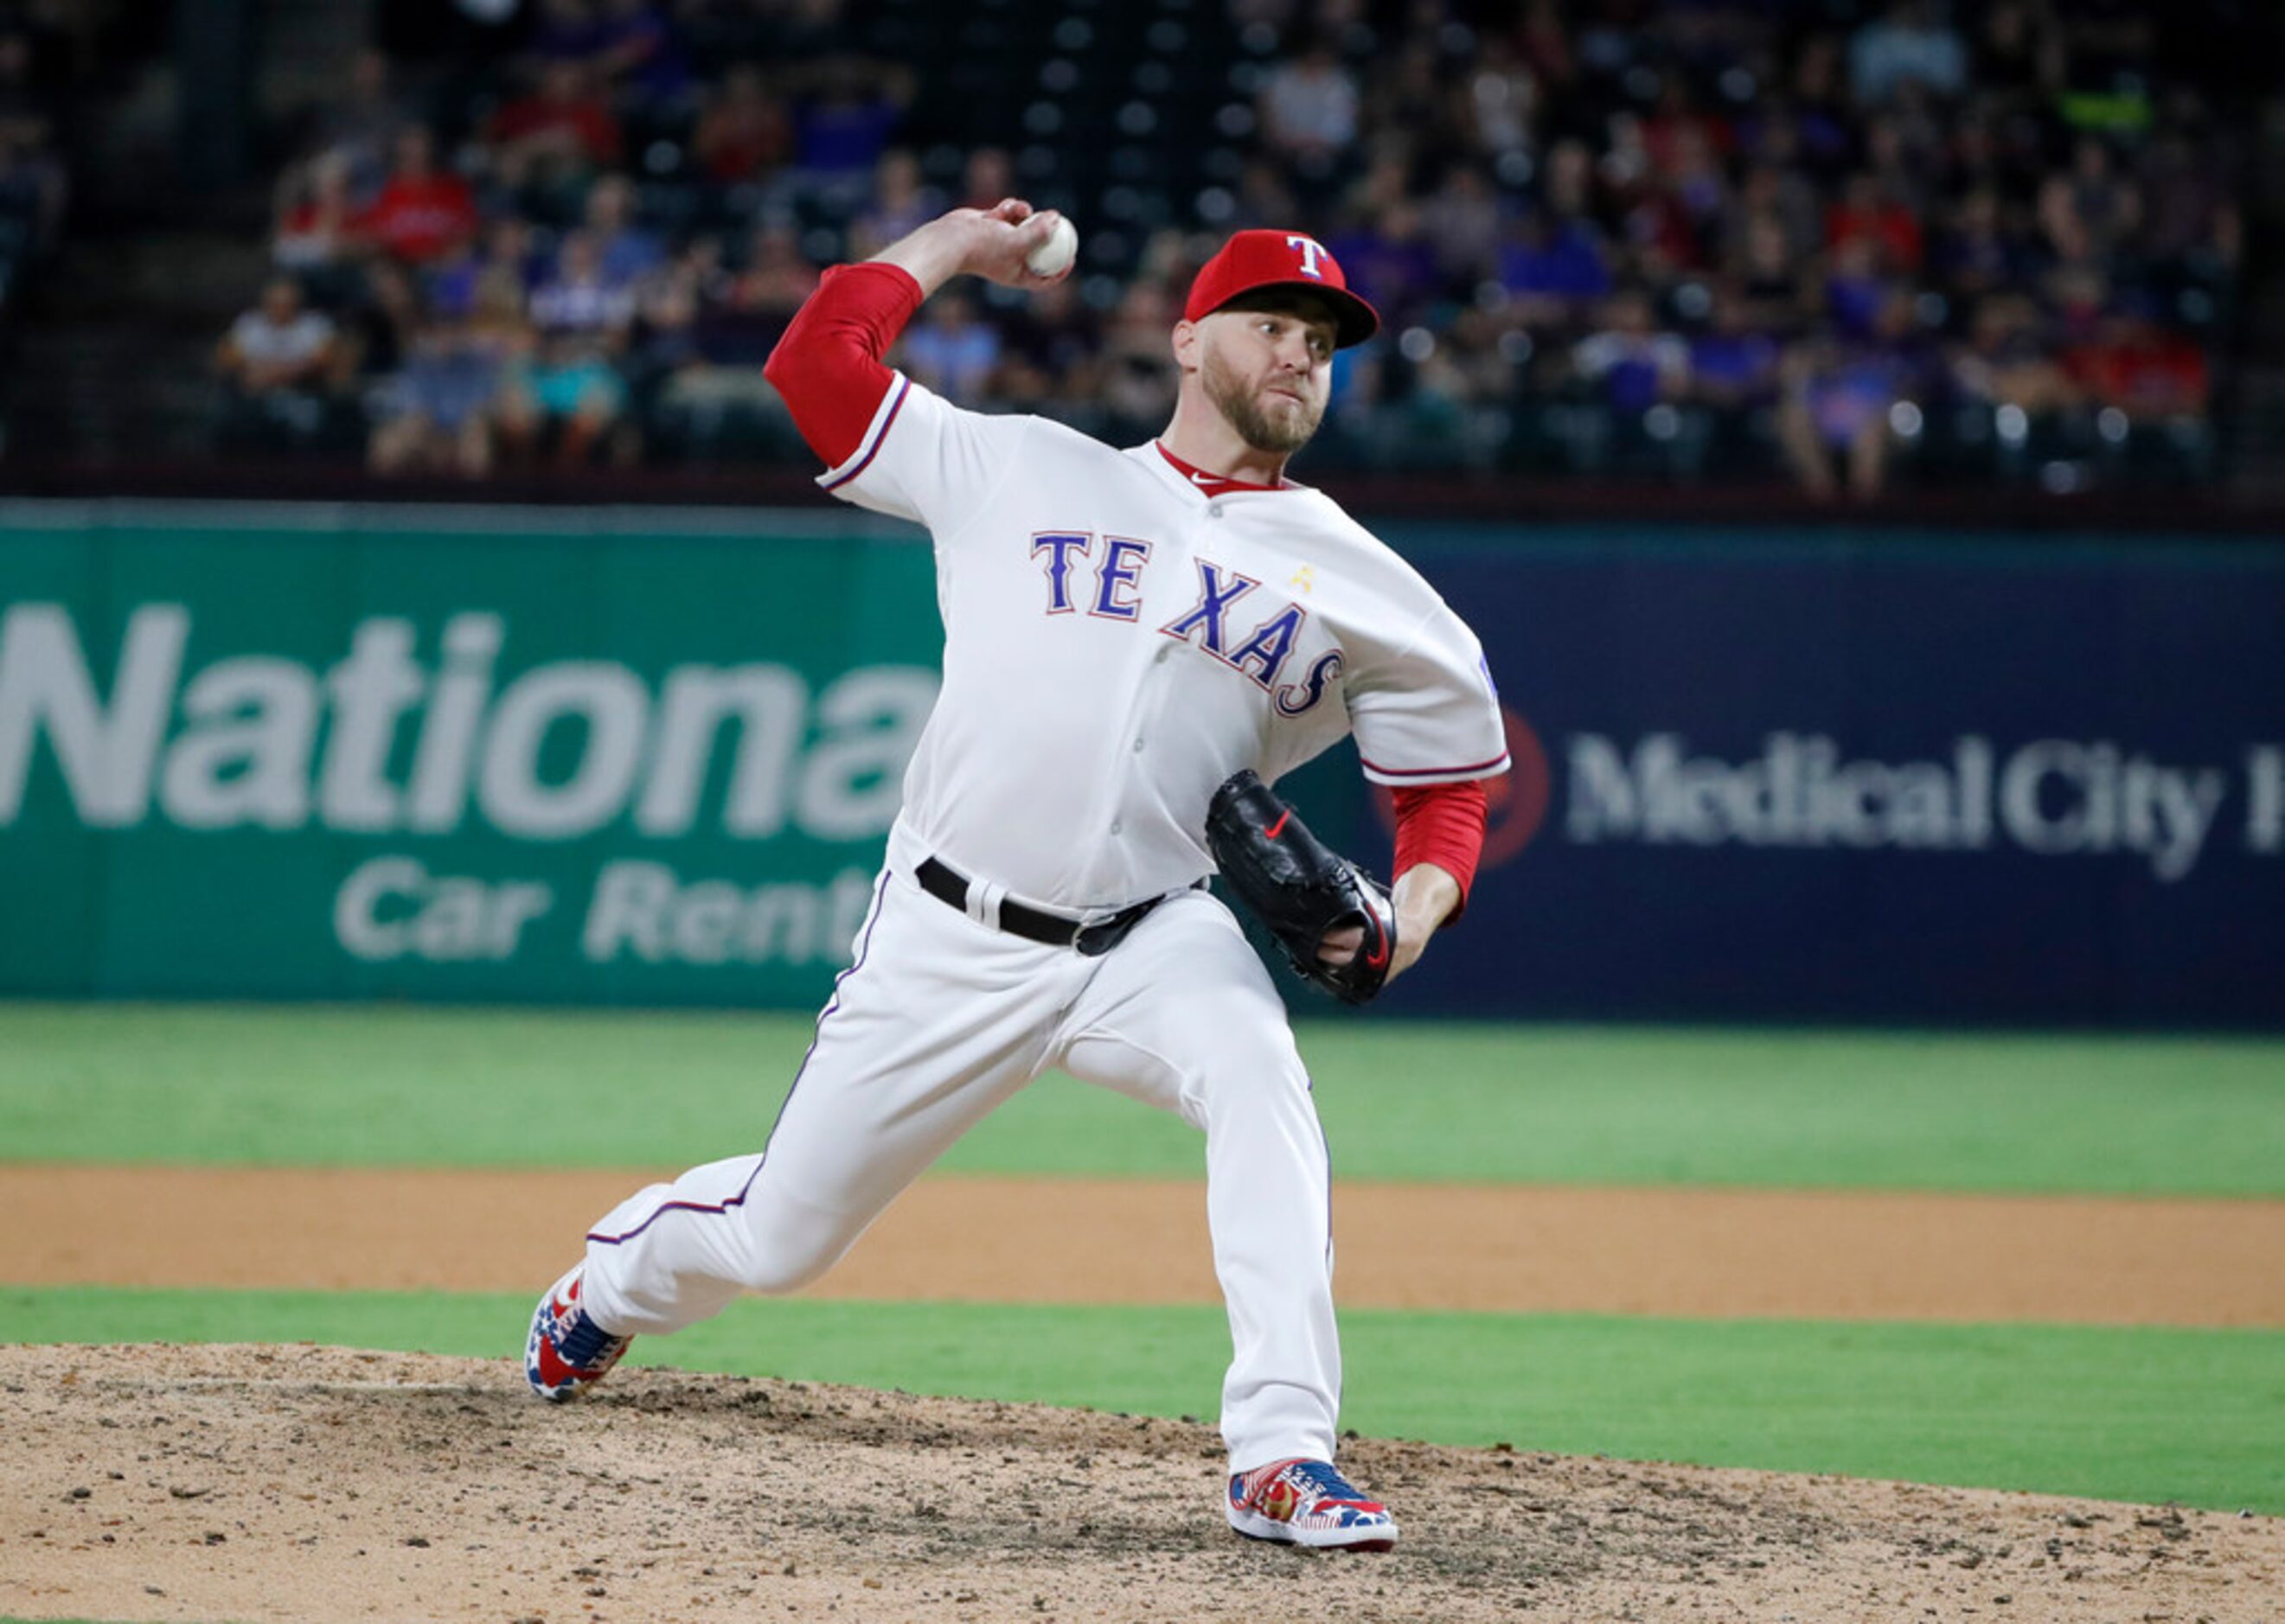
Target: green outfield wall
(320, 752)
(644, 757)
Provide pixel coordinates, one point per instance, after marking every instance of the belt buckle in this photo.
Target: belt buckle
(1098, 933)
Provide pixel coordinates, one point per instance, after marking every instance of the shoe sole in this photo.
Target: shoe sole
(1254, 1525)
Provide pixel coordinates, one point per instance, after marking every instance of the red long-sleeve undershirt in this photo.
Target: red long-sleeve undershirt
(828, 365)
(1442, 824)
(828, 369)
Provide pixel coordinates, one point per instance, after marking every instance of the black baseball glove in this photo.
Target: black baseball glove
(1300, 888)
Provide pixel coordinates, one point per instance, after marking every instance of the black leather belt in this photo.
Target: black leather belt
(947, 885)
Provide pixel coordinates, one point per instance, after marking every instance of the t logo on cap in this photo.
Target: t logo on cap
(1264, 257)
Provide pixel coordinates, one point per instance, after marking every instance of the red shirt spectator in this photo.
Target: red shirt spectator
(562, 119)
(2142, 369)
(743, 133)
(422, 212)
(1888, 225)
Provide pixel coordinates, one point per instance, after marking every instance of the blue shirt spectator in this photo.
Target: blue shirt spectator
(1562, 260)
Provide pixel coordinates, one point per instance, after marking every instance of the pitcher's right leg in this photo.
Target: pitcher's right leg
(938, 1021)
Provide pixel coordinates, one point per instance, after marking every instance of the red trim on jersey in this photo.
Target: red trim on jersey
(888, 420)
(1217, 484)
(1442, 824)
(828, 365)
(1479, 767)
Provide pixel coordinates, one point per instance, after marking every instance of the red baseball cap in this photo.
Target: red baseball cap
(1251, 260)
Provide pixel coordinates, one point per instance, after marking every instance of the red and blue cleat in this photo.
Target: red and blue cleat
(1307, 1502)
(566, 1350)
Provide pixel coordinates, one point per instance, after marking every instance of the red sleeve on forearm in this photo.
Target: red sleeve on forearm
(1442, 824)
(828, 365)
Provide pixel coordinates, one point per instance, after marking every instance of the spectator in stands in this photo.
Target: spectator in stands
(842, 126)
(1733, 364)
(547, 144)
(1775, 190)
(436, 415)
(1856, 288)
(1768, 272)
(1976, 254)
(423, 213)
(1866, 213)
(1503, 102)
(2019, 55)
(1630, 363)
(379, 327)
(2135, 366)
(562, 401)
(276, 363)
(2091, 211)
(2194, 228)
(1308, 111)
(950, 350)
(664, 338)
(564, 31)
(1462, 219)
(1596, 170)
(716, 373)
(1264, 198)
(1823, 114)
(1048, 346)
(316, 217)
(581, 298)
(1840, 398)
(777, 277)
(625, 250)
(1555, 267)
(358, 132)
(2005, 361)
(988, 175)
(506, 270)
(638, 55)
(743, 132)
(1138, 380)
(902, 203)
(1911, 44)
(1386, 254)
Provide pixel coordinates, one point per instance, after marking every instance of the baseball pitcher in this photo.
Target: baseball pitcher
(1138, 643)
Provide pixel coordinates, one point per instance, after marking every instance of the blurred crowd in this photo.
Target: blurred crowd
(38, 63)
(1680, 238)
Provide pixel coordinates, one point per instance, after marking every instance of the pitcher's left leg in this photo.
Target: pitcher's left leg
(1182, 1015)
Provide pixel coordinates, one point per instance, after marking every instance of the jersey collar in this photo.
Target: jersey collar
(1216, 484)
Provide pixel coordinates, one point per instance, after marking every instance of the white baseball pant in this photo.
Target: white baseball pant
(943, 1017)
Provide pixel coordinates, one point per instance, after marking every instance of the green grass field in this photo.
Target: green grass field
(2192, 1416)
(319, 1087)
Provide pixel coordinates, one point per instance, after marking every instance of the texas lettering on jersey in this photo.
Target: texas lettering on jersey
(1120, 637)
(1262, 653)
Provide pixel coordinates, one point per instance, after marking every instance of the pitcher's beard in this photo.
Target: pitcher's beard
(1277, 436)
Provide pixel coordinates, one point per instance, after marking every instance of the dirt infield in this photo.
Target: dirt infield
(306, 1483)
(243, 1484)
(1813, 1254)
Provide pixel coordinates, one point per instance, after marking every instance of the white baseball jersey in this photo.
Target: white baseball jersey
(1118, 643)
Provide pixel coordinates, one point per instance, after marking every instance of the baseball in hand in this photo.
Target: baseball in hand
(1053, 255)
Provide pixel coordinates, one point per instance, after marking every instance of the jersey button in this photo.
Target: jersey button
(1116, 826)
(1138, 747)
(1213, 511)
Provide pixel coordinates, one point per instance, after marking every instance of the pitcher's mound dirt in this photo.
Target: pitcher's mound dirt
(243, 1483)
